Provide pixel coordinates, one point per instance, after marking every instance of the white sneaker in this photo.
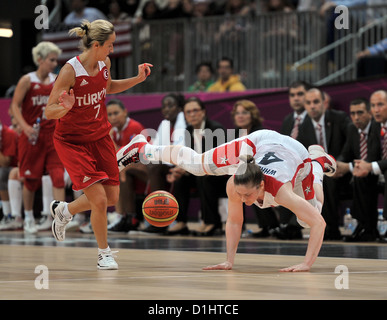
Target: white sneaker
(131, 152)
(45, 223)
(11, 223)
(73, 225)
(86, 228)
(29, 226)
(60, 221)
(106, 260)
(327, 162)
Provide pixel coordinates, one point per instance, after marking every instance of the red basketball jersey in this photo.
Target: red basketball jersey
(128, 132)
(87, 120)
(9, 142)
(35, 101)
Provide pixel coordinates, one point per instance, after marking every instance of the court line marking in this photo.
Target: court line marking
(206, 274)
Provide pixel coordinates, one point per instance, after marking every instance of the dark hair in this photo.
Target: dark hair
(248, 172)
(230, 61)
(204, 64)
(358, 101)
(197, 100)
(300, 83)
(178, 97)
(116, 101)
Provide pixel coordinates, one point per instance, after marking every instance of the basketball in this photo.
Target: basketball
(160, 208)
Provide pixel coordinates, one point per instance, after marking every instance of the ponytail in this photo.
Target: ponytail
(98, 30)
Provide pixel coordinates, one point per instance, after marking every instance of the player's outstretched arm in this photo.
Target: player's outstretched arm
(310, 215)
(117, 86)
(233, 228)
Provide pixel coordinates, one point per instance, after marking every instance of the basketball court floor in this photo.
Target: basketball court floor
(170, 268)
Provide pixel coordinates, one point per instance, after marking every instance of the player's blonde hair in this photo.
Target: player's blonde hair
(43, 49)
(97, 30)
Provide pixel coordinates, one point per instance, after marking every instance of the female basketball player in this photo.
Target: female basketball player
(81, 136)
(28, 104)
(276, 170)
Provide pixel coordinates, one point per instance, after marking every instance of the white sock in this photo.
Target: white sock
(29, 215)
(186, 158)
(155, 153)
(47, 194)
(15, 192)
(6, 207)
(107, 250)
(66, 211)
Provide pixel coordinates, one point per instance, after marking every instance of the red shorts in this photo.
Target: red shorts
(89, 163)
(36, 160)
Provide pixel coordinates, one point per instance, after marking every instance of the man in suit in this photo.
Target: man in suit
(327, 128)
(292, 122)
(378, 104)
(202, 135)
(291, 126)
(362, 143)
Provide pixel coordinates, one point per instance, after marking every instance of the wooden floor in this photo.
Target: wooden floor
(149, 274)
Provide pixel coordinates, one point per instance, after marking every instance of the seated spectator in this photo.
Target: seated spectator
(79, 12)
(360, 144)
(227, 81)
(202, 135)
(133, 180)
(8, 160)
(362, 168)
(149, 9)
(204, 74)
(130, 7)
(174, 10)
(116, 13)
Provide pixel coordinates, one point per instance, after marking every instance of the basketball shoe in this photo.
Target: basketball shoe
(131, 152)
(327, 162)
(106, 260)
(59, 219)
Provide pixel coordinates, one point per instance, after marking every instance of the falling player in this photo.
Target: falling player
(266, 168)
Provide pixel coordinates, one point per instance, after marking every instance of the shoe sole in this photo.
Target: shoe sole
(123, 153)
(53, 222)
(106, 268)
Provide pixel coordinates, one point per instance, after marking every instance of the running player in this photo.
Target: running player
(81, 136)
(268, 169)
(36, 152)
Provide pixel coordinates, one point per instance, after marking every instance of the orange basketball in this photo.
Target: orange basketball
(160, 208)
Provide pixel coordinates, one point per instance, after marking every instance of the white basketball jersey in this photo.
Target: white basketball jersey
(281, 159)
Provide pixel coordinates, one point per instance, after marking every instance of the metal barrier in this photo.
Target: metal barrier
(368, 26)
(263, 48)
